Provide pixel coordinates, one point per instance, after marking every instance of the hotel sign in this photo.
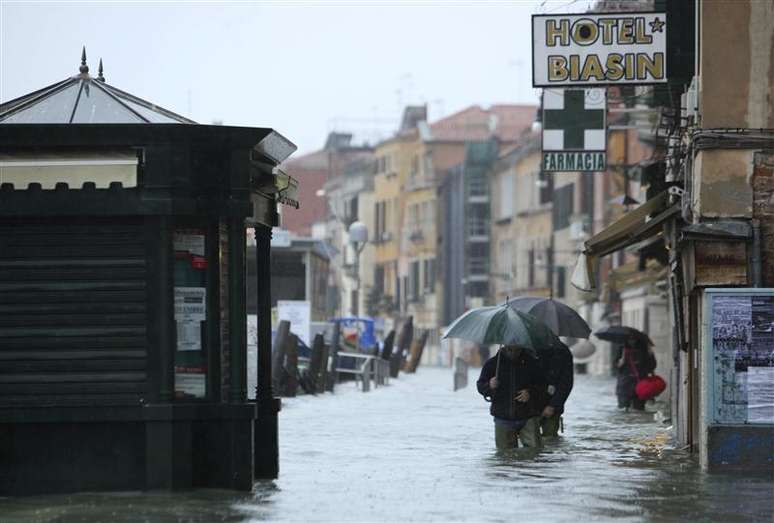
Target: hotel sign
(599, 49)
(574, 129)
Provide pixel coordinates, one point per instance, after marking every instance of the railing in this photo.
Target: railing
(366, 368)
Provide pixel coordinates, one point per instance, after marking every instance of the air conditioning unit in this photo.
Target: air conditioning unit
(690, 102)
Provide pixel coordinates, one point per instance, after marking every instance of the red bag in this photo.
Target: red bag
(649, 387)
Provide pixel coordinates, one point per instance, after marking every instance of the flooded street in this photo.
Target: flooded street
(418, 451)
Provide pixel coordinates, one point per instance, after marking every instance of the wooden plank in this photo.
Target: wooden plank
(720, 263)
(389, 342)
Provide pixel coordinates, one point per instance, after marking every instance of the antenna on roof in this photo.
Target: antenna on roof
(99, 72)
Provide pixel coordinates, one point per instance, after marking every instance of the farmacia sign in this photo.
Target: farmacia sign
(598, 49)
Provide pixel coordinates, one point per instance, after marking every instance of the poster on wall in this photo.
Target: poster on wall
(742, 331)
(299, 314)
(190, 311)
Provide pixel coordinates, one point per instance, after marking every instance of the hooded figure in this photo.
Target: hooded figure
(635, 360)
(514, 383)
(559, 371)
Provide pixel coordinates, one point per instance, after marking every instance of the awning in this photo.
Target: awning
(641, 223)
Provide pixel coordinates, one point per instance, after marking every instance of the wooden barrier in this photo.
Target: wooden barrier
(312, 374)
(415, 356)
(389, 341)
(397, 360)
(322, 373)
(291, 366)
(460, 373)
(278, 356)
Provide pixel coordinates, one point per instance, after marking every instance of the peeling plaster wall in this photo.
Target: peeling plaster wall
(722, 184)
(736, 87)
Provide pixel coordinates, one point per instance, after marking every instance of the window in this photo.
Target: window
(531, 268)
(429, 270)
(414, 281)
(561, 276)
(379, 278)
(505, 258)
(380, 221)
(506, 196)
(587, 194)
(563, 206)
(546, 184)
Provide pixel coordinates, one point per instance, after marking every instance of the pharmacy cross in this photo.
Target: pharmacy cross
(573, 119)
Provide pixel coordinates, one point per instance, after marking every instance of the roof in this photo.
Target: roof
(505, 122)
(84, 99)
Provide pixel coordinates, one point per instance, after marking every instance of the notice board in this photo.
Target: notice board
(739, 365)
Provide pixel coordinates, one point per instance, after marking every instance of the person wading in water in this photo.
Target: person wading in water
(514, 383)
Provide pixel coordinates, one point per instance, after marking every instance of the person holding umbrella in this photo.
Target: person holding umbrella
(512, 380)
(635, 360)
(557, 364)
(514, 383)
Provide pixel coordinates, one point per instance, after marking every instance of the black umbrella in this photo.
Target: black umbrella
(560, 318)
(620, 333)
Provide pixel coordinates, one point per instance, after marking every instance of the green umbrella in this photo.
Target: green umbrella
(503, 325)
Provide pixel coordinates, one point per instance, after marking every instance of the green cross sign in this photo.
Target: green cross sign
(573, 119)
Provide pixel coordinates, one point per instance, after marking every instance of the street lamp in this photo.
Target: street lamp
(358, 237)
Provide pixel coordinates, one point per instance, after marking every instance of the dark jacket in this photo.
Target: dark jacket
(638, 363)
(559, 370)
(513, 375)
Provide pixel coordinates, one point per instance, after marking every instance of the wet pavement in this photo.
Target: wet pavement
(416, 451)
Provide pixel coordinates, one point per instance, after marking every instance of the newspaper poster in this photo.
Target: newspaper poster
(189, 241)
(743, 343)
(190, 381)
(190, 311)
(760, 394)
(298, 313)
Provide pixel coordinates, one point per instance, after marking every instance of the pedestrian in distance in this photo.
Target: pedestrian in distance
(558, 368)
(635, 360)
(513, 382)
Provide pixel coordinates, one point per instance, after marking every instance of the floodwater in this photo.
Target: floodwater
(417, 451)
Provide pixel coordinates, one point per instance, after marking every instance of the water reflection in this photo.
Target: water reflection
(418, 451)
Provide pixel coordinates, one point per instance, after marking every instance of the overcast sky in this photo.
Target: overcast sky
(302, 68)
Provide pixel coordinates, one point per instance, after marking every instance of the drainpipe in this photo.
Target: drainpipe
(757, 280)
